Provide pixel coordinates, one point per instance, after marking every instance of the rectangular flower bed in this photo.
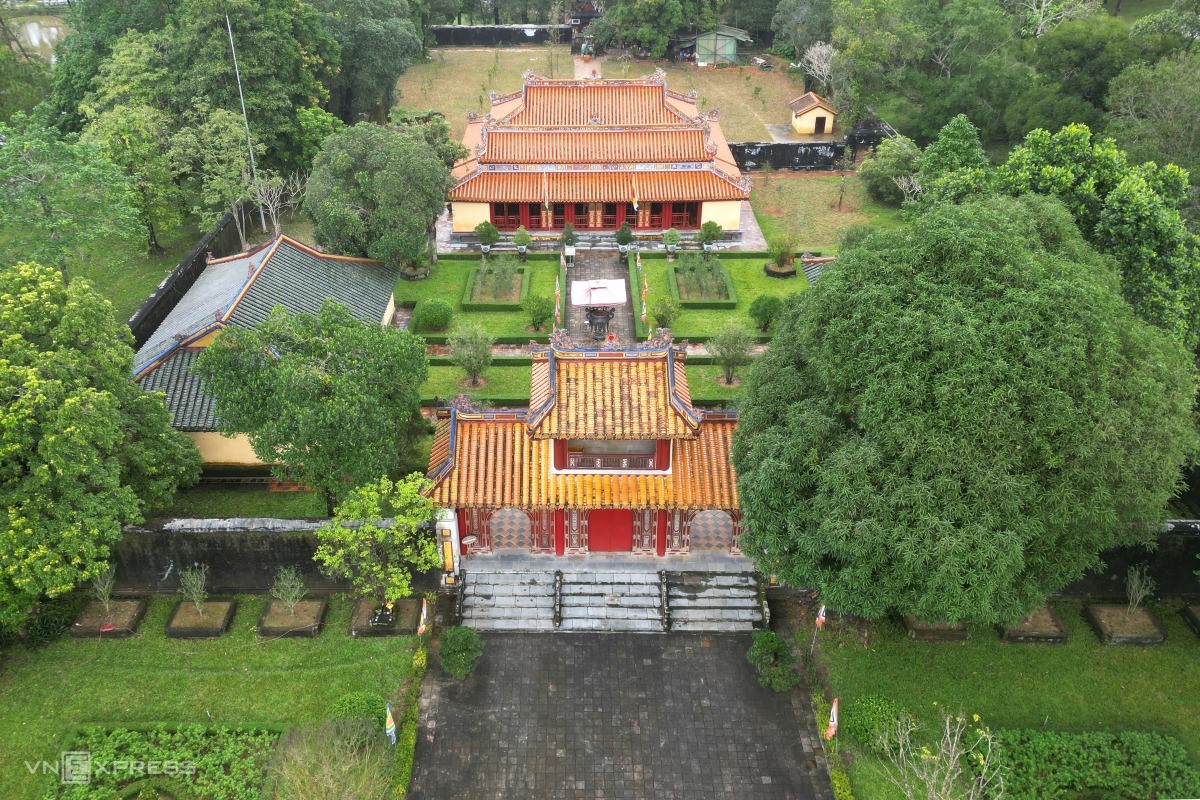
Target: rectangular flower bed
(119, 622)
(1115, 624)
(187, 623)
(306, 620)
(404, 619)
(935, 631)
(517, 295)
(729, 300)
(1042, 626)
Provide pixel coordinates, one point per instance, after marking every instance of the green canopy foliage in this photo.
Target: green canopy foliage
(959, 417)
(26, 83)
(330, 401)
(83, 450)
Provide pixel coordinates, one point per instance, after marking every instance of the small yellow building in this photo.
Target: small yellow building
(812, 115)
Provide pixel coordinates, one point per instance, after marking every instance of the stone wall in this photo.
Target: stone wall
(787, 155)
(493, 35)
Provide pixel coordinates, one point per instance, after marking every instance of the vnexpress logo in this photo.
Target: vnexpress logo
(76, 768)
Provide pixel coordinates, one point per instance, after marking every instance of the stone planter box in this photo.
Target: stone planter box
(1191, 615)
(935, 631)
(185, 623)
(307, 620)
(1042, 626)
(407, 616)
(773, 271)
(120, 622)
(1114, 626)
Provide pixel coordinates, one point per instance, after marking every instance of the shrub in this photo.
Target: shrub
(459, 650)
(471, 351)
(730, 348)
(540, 310)
(664, 311)
(102, 586)
(522, 238)
(568, 237)
(781, 249)
(710, 232)
(672, 237)
(771, 656)
(360, 706)
(841, 784)
(488, 233)
(853, 236)
(898, 157)
(624, 234)
(433, 314)
(503, 273)
(871, 721)
(192, 583)
(53, 618)
(289, 588)
(764, 310)
(1132, 764)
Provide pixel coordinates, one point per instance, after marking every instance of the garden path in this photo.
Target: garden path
(593, 265)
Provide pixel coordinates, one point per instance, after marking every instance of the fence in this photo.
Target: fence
(220, 241)
(787, 155)
(499, 34)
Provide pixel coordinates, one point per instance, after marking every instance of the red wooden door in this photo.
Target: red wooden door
(610, 530)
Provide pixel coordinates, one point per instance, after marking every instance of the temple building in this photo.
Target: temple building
(240, 291)
(611, 456)
(596, 153)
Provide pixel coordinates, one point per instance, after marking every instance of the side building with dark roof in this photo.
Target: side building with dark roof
(240, 291)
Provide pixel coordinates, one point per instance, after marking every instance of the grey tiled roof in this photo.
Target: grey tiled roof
(191, 407)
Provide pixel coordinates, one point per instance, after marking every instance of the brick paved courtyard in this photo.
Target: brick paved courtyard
(614, 716)
(593, 265)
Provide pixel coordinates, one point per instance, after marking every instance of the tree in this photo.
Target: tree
(209, 157)
(1182, 19)
(471, 350)
(1129, 212)
(818, 63)
(665, 310)
(730, 349)
(377, 192)
(960, 418)
(1042, 16)
(379, 42)
(649, 24)
(329, 401)
(765, 310)
(379, 536)
(26, 83)
(539, 308)
(275, 194)
(799, 24)
(83, 450)
(432, 127)
(137, 139)
(954, 166)
(896, 157)
(59, 195)
(964, 762)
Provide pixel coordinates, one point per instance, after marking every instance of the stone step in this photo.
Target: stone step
(709, 626)
(610, 589)
(489, 624)
(706, 579)
(507, 601)
(591, 612)
(713, 602)
(516, 589)
(610, 601)
(715, 614)
(610, 577)
(531, 578)
(597, 624)
(508, 612)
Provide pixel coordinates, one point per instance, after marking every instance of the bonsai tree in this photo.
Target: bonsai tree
(539, 308)
(192, 585)
(624, 236)
(379, 536)
(459, 650)
(771, 656)
(522, 240)
(102, 586)
(782, 250)
(568, 237)
(764, 310)
(1138, 586)
(709, 233)
(730, 348)
(488, 235)
(665, 310)
(471, 351)
(289, 588)
(431, 314)
(671, 238)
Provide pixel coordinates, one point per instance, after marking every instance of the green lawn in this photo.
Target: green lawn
(448, 280)
(704, 384)
(807, 205)
(235, 680)
(749, 282)
(202, 502)
(1080, 686)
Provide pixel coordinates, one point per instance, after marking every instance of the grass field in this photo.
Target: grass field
(1079, 686)
(807, 206)
(237, 679)
(201, 502)
(457, 80)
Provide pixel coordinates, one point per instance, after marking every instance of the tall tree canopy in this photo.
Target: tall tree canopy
(83, 450)
(331, 401)
(959, 417)
(377, 192)
(25, 82)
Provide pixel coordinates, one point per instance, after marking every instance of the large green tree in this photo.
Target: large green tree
(59, 196)
(377, 192)
(330, 401)
(83, 450)
(959, 418)
(24, 82)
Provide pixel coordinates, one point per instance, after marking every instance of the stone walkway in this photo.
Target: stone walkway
(593, 265)
(614, 716)
(752, 235)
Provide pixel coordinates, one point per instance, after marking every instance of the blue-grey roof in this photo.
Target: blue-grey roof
(191, 407)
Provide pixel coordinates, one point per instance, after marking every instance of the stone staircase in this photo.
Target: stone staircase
(635, 601)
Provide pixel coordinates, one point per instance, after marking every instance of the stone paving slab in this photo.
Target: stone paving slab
(614, 716)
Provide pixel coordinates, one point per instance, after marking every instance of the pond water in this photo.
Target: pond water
(40, 34)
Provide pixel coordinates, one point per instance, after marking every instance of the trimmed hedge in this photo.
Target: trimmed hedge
(1132, 765)
(870, 720)
(730, 302)
(495, 305)
(410, 718)
(431, 314)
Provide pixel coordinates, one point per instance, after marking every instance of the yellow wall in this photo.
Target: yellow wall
(468, 215)
(806, 123)
(726, 213)
(389, 312)
(217, 449)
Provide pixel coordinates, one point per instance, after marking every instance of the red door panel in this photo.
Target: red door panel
(610, 530)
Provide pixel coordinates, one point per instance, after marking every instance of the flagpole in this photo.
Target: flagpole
(262, 216)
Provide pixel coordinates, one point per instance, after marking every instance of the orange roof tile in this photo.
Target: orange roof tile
(575, 104)
(597, 186)
(809, 100)
(495, 464)
(596, 146)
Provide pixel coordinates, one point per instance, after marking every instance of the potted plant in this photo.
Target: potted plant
(488, 235)
(522, 239)
(709, 233)
(671, 239)
(568, 238)
(624, 237)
